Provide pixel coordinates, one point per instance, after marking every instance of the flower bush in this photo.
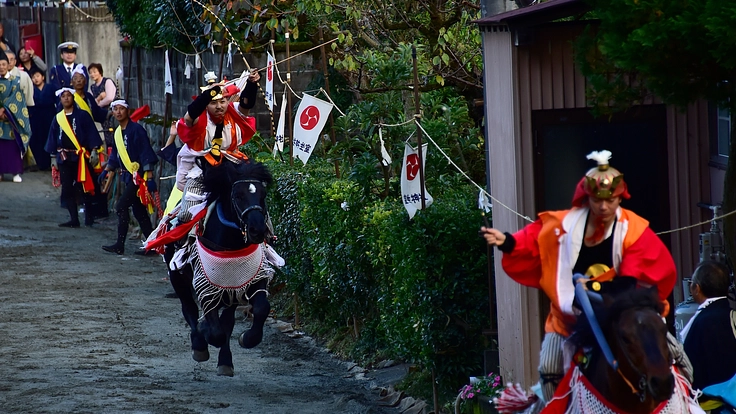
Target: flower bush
(488, 386)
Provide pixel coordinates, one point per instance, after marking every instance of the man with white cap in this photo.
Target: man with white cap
(84, 100)
(73, 142)
(60, 76)
(132, 153)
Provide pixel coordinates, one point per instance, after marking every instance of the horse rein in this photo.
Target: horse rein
(642, 390)
(581, 293)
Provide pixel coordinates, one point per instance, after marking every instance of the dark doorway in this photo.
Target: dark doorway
(638, 141)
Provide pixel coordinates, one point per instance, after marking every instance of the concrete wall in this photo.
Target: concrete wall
(93, 28)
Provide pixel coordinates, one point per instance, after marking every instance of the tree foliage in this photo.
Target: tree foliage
(450, 51)
(679, 50)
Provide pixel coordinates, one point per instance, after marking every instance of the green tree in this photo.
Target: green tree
(680, 50)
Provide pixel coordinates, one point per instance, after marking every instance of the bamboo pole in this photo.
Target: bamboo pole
(418, 117)
(139, 76)
(129, 73)
(222, 54)
(288, 85)
(327, 89)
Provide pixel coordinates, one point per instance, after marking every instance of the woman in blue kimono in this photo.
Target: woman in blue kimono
(41, 116)
(15, 129)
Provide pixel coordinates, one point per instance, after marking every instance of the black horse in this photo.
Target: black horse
(237, 222)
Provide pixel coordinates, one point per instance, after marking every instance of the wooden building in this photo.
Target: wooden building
(539, 129)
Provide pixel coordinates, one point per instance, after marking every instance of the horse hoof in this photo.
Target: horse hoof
(200, 356)
(250, 339)
(225, 371)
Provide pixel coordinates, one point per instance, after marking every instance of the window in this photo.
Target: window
(720, 133)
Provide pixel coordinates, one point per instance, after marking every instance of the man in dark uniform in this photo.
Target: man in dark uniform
(85, 101)
(73, 142)
(132, 153)
(60, 76)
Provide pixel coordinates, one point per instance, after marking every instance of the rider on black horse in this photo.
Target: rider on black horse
(595, 237)
(213, 128)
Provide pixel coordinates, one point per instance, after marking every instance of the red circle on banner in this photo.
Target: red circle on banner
(309, 117)
(269, 72)
(412, 166)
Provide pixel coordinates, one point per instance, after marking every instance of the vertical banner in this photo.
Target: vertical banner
(411, 193)
(269, 82)
(310, 119)
(167, 75)
(279, 144)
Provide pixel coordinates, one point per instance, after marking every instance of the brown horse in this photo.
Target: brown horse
(622, 360)
(640, 377)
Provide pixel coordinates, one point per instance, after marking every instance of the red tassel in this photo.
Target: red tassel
(514, 399)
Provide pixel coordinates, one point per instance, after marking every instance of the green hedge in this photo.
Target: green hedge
(414, 290)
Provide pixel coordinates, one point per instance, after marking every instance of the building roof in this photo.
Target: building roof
(537, 13)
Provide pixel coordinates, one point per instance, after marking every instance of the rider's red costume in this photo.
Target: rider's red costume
(547, 249)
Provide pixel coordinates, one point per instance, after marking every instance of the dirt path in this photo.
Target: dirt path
(85, 331)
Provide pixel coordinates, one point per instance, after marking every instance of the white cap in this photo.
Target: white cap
(120, 102)
(62, 90)
(79, 69)
(68, 47)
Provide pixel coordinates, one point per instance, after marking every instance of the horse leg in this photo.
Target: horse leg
(181, 281)
(212, 329)
(261, 309)
(225, 357)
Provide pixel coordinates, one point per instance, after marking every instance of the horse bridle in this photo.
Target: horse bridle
(243, 215)
(642, 386)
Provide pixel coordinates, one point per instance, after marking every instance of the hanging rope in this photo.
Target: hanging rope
(527, 218)
(197, 59)
(87, 15)
(696, 225)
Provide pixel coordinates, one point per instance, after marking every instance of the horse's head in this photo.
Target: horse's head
(637, 335)
(241, 190)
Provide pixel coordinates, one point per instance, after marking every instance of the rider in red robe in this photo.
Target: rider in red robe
(595, 237)
(215, 128)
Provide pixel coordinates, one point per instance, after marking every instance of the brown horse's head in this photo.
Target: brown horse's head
(632, 324)
(639, 339)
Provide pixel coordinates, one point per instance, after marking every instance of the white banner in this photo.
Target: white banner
(269, 81)
(310, 119)
(279, 144)
(411, 193)
(385, 157)
(167, 75)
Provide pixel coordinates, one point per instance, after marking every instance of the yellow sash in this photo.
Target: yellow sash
(82, 173)
(132, 167)
(82, 103)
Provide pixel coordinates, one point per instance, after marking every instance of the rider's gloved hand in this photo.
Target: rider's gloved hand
(248, 95)
(198, 106)
(151, 184)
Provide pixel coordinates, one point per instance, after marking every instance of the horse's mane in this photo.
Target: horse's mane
(218, 180)
(621, 296)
